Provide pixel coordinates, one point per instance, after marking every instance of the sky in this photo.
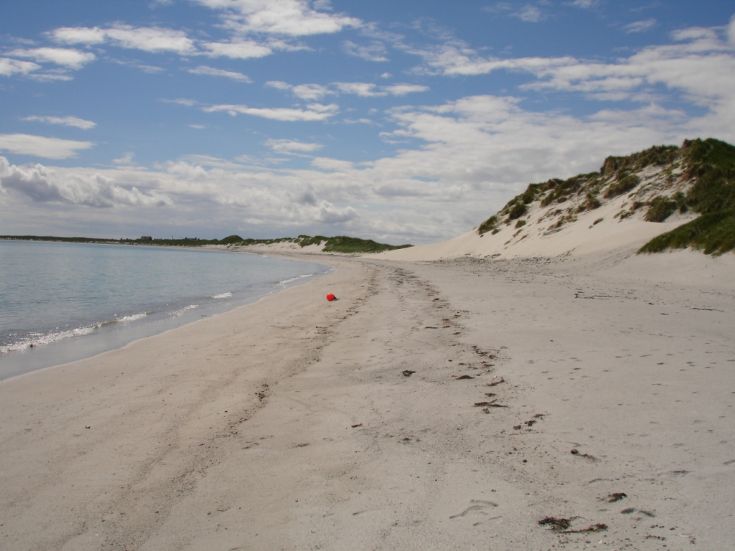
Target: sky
(404, 121)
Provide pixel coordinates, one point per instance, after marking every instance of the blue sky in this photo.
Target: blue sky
(403, 121)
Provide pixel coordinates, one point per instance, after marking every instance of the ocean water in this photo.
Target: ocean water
(65, 301)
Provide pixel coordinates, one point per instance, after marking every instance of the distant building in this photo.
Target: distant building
(145, 238)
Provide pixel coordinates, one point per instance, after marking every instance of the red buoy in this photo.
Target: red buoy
(331, 297)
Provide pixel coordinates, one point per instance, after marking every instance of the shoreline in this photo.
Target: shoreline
(100, 336)
(433, 406)
(203, 319)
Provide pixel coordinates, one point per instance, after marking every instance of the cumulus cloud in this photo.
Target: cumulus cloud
(312, 112)
(126, 159)
(73, 122)
(330, 214)
(78, 35)
(66, 57)
(292, 146)
(41, 184)
(405, 89)
(306, 92)
(41, 146)
(9, 67)
(242, 49)
(221, 73)
(148, 39)
(362, 89)
(285, 17)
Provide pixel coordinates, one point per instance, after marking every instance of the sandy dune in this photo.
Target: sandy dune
(449, 405)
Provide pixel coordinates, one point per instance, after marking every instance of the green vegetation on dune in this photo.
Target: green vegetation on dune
(622, 185)
(713, 233)
(488, 225)
(711, 164)
(697, 177)
(353, 245)
(660, 208)
(345, 244)
(659, 155)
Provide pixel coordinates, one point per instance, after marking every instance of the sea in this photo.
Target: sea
(61, 302)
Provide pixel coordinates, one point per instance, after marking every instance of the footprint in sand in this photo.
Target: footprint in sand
(476, 506)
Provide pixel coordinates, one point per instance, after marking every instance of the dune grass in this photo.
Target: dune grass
(711, 163)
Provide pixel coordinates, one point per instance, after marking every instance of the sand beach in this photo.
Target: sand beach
(568, 403)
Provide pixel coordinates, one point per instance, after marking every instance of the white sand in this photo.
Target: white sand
(288, 424)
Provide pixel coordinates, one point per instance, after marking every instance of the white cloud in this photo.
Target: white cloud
(78, 35)
(310, 92)
(243, 49)
(148, 39)
(327, 163)
(640, 26)
(315, 92)
(331, 214)
(292, 146)
(126, 159)
(66, 57)
(456, 58)
(41, 184)
(700, 67)
(73, 122)
(731, 31)
(404, 89)
(373, 51)
(41, 146)
(9, 67)
(284, 17)
(306, 92)
(214, 72)
(278, 85)
(313, 112)
(362, 89)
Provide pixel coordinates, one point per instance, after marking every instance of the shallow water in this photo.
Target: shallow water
(64, 301)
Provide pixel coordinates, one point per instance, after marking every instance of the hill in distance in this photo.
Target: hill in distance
(337, 244)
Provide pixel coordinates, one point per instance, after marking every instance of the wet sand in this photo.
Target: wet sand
(451, 405)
